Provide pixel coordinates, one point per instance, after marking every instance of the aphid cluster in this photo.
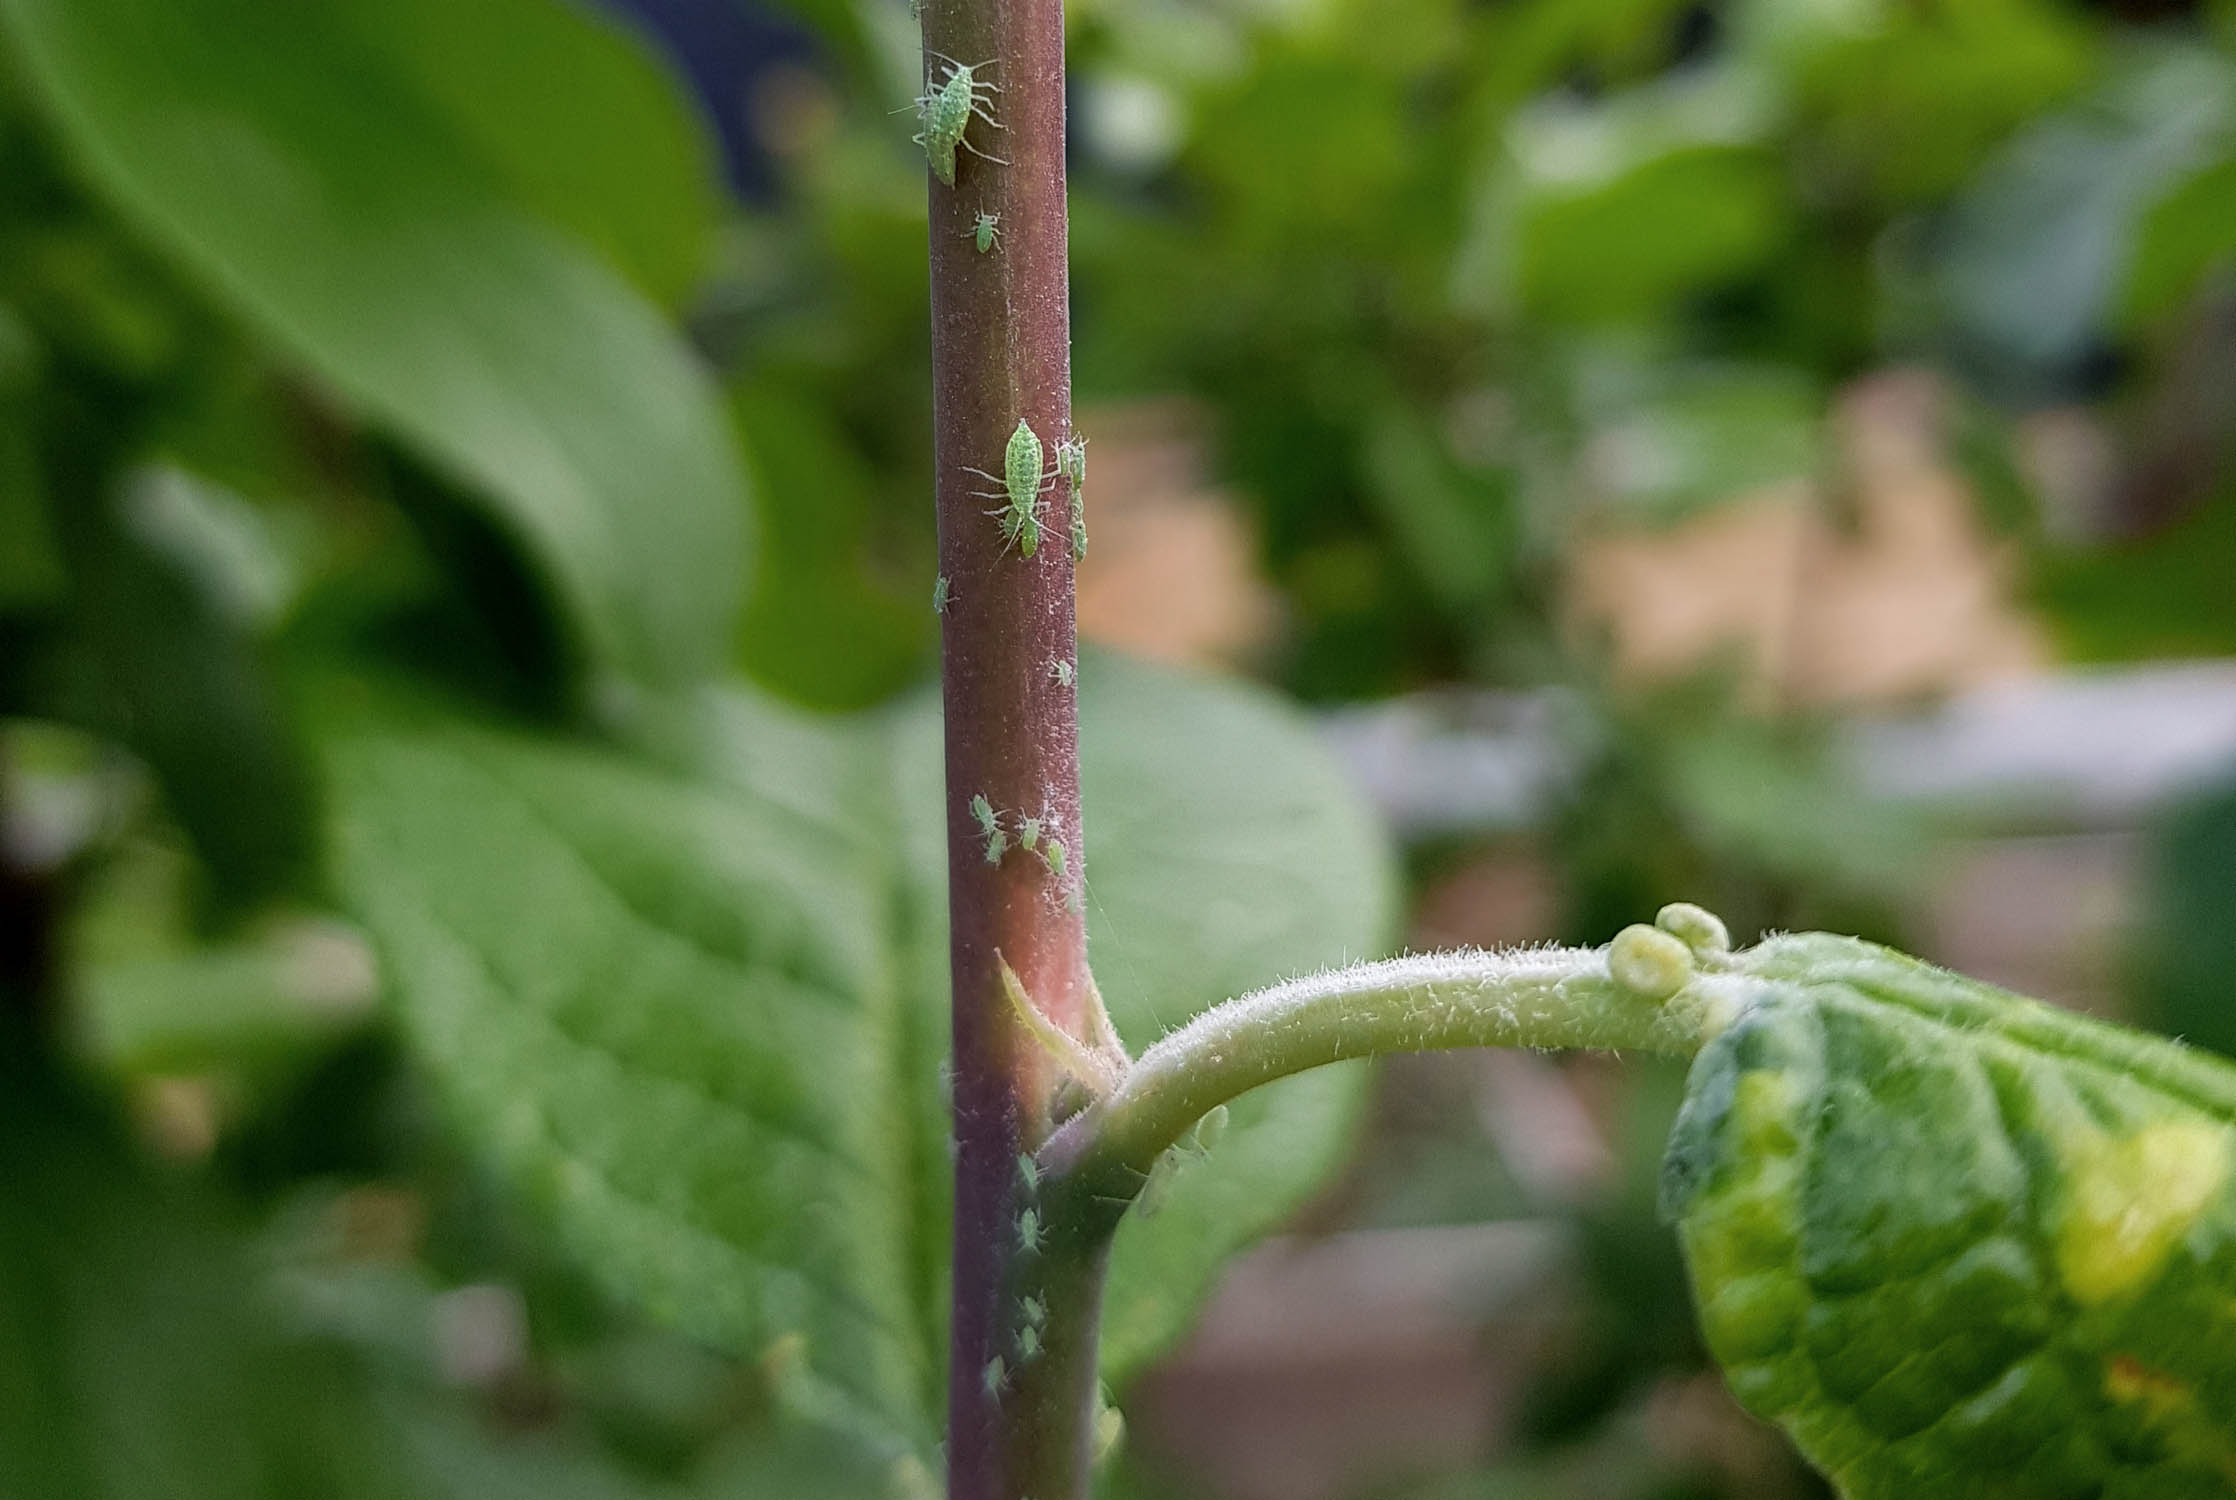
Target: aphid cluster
(989, 822)
(945, 111)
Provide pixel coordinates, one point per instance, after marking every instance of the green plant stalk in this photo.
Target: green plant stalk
(1098, 1162)
(1001, 355)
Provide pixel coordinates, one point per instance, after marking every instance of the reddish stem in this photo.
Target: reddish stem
(1001, 351)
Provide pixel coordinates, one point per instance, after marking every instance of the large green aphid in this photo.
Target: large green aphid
(1956, 1242)
(1022, 482)
(945, 111)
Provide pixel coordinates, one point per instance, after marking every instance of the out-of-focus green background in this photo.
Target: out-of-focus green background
(1780, 454)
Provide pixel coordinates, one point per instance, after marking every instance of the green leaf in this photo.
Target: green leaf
(136, 1356)
(318, 195)
(586, 125)
(695, 1009)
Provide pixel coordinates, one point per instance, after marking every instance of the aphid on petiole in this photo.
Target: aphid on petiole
(985, 231)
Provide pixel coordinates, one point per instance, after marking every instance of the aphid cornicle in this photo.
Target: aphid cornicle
(985, 231)
(946, 113)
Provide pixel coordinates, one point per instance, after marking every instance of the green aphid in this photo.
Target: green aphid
(1028, 1171)
(985, 231)
(1157, 1188)
(1052, 851)
(996, 1376)
(1028, 835)
(1063, 673)
(1071, 466)
(1029, 1230)
(1954, 1241)
(1028, 1344)
(945, 113)
(943, 594)
(1022, 480)
(989, 821)
(1033, 1311)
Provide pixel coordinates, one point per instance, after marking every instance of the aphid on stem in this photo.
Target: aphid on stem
(985, 231)
(1022, 481)
(946, 111)
(989, 821)
(1071, 466)
(1029, 1231)
(943, 594)
(1063, 673)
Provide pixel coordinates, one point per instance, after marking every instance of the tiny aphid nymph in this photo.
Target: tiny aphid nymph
(1071, 465)
(990, 824)
(1028, 1230)
(1063, 673)
(943, 594)
(985, 231)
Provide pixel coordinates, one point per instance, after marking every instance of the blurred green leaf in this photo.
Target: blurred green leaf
(2186, 236)
(697, 1014)
(1754, 795)
(586, 124)
(137, 1356)
(820, 628)
(284, 163)
(1608, 210)
(2162, 594)
(146, 657)
(2037, 250)
(2191, 924)
(1459, 527)
(1673, 439)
